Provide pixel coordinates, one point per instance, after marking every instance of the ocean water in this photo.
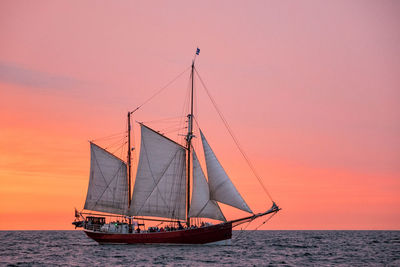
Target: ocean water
(249, 248)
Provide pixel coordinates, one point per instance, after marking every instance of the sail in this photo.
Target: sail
(108, 185)
(202, 206)
(221, 187)
(160, 185)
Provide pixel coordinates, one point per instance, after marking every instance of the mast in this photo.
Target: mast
(129, 169)
(189, 141)
(129, 160)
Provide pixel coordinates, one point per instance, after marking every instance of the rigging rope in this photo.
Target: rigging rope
(264, 222)
(171, 130)
(164, 119)
(233, 137)
(121, 146)
(160, 90)
(121, 140)
(242, 231)
(111, 136)
(269, 218)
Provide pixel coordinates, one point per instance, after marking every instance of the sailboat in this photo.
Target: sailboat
(170, 189)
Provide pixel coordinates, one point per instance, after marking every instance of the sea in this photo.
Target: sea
(249, 248)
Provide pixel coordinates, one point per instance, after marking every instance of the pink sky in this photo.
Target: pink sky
(311, 89)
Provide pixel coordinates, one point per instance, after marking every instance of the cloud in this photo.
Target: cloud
(13, 74)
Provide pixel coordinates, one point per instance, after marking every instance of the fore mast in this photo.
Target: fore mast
(129, 158)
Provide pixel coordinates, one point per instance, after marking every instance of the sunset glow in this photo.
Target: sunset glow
(310, 88)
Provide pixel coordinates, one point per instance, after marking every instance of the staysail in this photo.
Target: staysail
(201, 205)
(108, 186)
(221, 187)
(160, 185)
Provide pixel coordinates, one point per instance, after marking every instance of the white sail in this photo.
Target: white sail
(160, 185)
(221, 187)
(201, 205)
(108, 185)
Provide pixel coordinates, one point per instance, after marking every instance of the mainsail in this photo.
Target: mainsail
(221, 187)
(108, 188)
(160, 185)
(201, 204)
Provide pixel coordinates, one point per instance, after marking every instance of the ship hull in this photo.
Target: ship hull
(204, 235)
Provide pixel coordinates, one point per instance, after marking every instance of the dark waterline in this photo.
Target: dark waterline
(250, 248)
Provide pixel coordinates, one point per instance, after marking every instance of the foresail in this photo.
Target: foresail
(160, 185)
(108, 185)
(221, 187)
(201, 205)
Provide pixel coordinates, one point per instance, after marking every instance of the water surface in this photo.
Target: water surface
(249, 248)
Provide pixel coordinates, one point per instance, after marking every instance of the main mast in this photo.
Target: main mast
(189, 141)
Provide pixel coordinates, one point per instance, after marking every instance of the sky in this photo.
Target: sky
(311, 90)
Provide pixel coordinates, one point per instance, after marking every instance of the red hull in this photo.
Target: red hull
(201, 235)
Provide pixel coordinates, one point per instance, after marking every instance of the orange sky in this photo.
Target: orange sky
(311, 90)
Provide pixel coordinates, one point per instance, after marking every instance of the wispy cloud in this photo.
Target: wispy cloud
(14, 74)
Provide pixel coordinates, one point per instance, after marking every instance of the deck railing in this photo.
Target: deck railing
(93, 227)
